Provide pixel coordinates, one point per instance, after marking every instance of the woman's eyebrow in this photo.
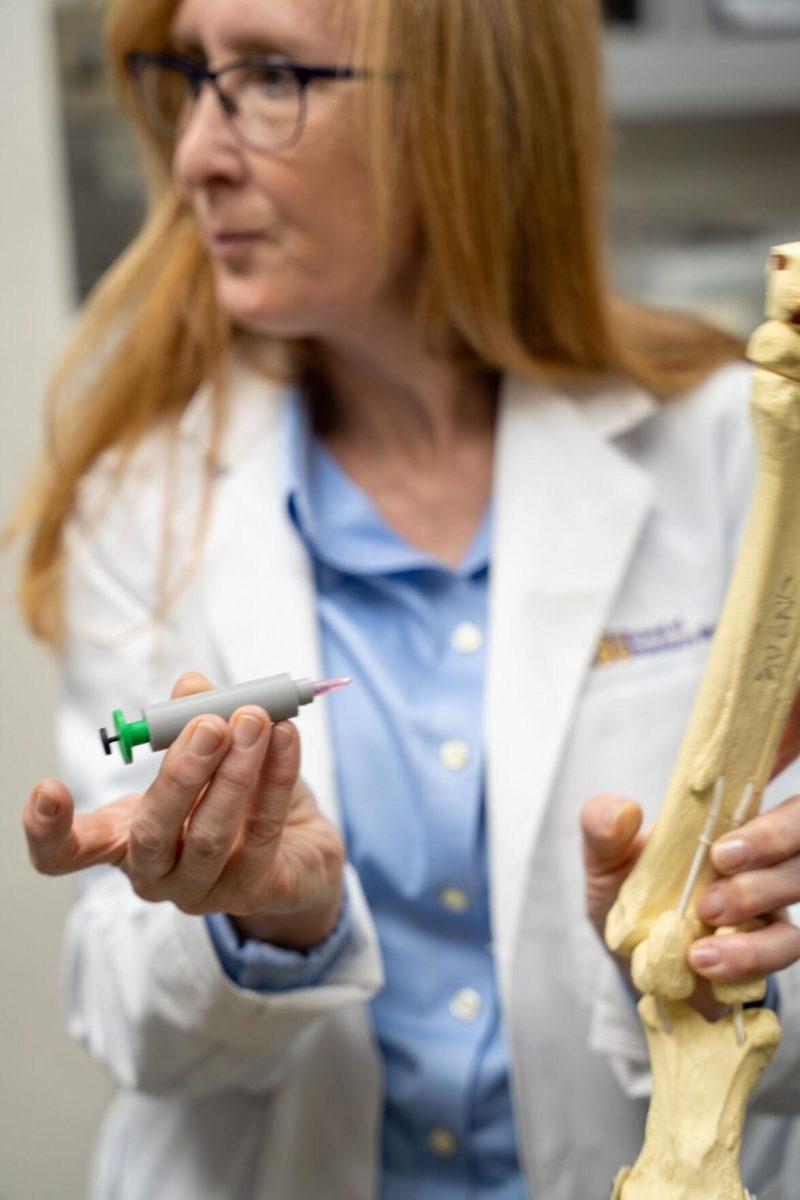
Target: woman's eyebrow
(182, 43)
(188, 48)
(262, 43)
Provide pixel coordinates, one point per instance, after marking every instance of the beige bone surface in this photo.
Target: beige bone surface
(783, 285)
(753, 665)
(658, 965)
(776, 346)
(750, 990)
(701, 1083)
(703, 1073)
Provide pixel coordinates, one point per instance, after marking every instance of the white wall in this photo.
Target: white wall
(51, 1095)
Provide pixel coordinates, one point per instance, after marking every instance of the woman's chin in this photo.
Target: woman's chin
(274, 327)
(266, 315)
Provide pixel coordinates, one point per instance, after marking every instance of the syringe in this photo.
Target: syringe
(160, 724)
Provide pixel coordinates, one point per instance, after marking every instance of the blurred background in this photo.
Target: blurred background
(706, 101)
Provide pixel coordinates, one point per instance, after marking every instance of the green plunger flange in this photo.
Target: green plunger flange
(129, 734)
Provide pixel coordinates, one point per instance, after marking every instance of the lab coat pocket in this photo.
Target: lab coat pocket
(629, 729)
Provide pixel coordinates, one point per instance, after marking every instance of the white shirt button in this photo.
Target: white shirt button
(454, 899)
(443, 1142)
(454, 754)
(466, 1005)
(466, 638)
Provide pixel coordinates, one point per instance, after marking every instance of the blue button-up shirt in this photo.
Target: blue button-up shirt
(408, 747)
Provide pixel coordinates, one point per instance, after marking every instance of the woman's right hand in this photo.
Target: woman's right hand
(226, 826)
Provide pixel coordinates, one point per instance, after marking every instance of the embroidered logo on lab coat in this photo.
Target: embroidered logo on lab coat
(617, 645)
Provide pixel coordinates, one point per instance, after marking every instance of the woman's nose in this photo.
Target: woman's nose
(207, 149)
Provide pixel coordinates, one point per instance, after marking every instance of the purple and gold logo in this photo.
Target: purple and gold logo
(618, 645)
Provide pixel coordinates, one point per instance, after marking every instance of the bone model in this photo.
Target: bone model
(703, 1073)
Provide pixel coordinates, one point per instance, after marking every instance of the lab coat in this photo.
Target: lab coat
(613, 513)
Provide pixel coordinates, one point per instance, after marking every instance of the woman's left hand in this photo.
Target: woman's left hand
(760, 885)
(760, 866)
(760, 869)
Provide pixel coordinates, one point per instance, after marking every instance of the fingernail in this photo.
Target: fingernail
(205, 739)
(46, 806)
(611, 815)
(711, 905)
(282, 737)
(705, 956)
(729, 854)
(247, 729)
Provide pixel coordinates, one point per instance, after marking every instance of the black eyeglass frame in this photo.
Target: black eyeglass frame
(198, 74)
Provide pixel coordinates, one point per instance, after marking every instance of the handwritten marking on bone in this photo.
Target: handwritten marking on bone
(780, 629)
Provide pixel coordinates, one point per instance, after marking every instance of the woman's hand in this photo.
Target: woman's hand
(613, 840)
(226, 826)
(760, 865)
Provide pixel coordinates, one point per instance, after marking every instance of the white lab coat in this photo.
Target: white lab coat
(612, 512)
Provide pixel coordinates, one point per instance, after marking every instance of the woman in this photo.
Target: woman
(359, 400)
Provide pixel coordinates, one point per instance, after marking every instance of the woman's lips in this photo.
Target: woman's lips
(223, 235)
(226, 244)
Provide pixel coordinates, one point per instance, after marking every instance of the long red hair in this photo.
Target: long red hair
(504, 127)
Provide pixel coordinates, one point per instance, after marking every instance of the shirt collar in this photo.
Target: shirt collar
(338, 522)
(611, 408)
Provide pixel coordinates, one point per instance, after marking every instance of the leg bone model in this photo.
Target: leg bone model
(703, 1073)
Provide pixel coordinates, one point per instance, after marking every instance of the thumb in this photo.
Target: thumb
(610, 824)
(190, 683)
(612, 843)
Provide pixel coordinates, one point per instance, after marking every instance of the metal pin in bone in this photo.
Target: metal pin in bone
(738, 819)
(703, 845)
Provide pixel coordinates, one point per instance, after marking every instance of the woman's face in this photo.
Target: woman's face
(308, 270)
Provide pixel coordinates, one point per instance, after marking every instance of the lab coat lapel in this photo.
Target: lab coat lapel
(259, 594)
(569, 507)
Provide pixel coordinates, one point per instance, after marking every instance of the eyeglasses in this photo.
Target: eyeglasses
(263, 98)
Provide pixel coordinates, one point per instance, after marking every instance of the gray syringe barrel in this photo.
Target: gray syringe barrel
(280, 695)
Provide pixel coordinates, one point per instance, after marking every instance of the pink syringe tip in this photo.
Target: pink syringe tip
(330, 685)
